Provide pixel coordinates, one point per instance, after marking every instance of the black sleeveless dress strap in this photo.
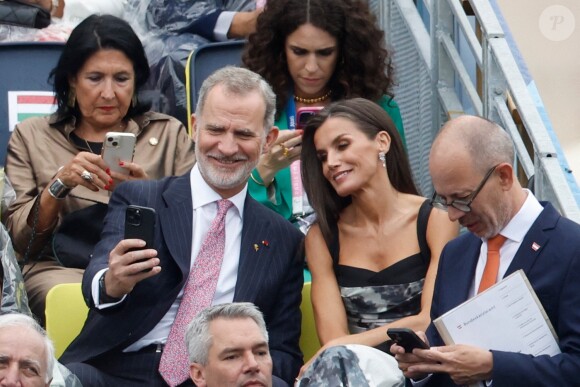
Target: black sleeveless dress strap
(422, 220)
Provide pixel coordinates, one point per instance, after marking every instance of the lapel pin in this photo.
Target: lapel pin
(535, 246)
(266, 243)
(256, 247)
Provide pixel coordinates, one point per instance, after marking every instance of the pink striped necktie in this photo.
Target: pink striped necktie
(197, 295)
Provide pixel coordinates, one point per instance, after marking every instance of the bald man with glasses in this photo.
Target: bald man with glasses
(471, 165)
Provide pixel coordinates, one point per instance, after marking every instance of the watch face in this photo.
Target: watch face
(58, 190)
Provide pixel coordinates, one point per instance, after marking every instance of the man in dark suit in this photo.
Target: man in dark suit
(135, 293)
(471, 165)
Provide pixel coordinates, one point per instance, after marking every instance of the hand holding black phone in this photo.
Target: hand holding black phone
(406, 338)
(140, 224)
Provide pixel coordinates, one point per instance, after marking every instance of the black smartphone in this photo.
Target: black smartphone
(304, 114)
(140, 224)
(406, 338)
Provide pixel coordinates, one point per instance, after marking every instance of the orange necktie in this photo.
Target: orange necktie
(492, 265)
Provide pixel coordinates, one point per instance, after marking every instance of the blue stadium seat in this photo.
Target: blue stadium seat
(205, 60)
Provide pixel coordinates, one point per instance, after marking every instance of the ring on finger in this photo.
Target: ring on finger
(285, 151)
(86, 175)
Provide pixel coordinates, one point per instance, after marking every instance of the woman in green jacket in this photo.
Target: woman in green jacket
(312, 53)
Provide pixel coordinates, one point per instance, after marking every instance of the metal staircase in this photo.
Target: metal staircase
(451, 58)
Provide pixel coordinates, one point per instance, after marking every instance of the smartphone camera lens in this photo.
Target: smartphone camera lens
(110, 139)
(134, 217)
(115, 143)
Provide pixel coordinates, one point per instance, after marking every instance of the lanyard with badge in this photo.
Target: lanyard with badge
(300, 204)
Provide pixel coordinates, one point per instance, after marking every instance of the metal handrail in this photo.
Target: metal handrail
(502, 77)
(502, 80)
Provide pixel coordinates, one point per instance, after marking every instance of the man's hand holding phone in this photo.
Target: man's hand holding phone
(129, 263)
(133, 259)
(406, 341)
(465, 364)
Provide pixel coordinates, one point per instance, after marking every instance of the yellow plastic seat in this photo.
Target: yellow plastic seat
(66, 313)
(309, 342)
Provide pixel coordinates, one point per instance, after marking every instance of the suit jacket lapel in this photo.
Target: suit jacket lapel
(176, 221)
(465, 268)
(255, 256)
(534, 241)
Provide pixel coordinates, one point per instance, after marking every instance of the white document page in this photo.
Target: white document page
(506, 317)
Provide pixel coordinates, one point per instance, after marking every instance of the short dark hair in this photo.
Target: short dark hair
(363, 67)
(95, 33)
(370, 119)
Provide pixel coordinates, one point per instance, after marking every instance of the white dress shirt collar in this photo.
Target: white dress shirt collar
(514, 231)
(202, 193)
(520, 224)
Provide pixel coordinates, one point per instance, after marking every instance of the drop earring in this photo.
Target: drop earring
(134, 100)
(383, 159)
(72, 97)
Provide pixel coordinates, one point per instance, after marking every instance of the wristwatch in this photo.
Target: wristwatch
(104, 298)
(59, 190)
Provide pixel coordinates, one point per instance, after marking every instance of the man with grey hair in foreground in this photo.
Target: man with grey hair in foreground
(228, 347)
(213, 244)
(26, 353)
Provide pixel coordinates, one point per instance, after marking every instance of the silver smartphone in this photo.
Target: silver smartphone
(118, 146)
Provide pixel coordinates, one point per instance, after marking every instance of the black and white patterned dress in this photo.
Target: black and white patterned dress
(373, 299)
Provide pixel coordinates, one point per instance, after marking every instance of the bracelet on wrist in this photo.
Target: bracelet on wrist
(59, 190)
(259, 182)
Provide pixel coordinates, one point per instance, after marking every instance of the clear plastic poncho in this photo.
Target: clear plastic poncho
(160, 25)
(14, 299)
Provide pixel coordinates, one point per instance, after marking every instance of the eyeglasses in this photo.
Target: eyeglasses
(463, 205)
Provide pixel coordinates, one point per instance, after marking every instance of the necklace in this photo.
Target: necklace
(310, 101)
(96, 147)
(85, 145)
(90, 148)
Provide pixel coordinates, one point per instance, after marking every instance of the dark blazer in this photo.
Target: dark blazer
(554, 273)
(271, 276)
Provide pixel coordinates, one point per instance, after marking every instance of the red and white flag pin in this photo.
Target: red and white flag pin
(535, 246)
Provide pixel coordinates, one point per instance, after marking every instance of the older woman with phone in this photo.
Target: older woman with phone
(55, 165)
(313, 52)
(374, 250)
